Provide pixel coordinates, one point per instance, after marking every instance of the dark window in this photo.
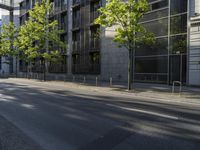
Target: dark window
(178, 44)
(76, 59)
(94, 10)
(76, 18)
(178, 24)
(158, 27)
(64, 39)
(178, 67)
(155, 15)
(59, 67)
(152, 69)
(95, 38)
(76, 1)
(160, 47)
(64, 4)
(178, 6)
(76, 40)
(64, 21)
(159, 5)
(151, 64)
(94, 58)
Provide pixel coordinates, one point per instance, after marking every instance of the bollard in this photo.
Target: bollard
(96, 81)
(73, 79)
(110, 81)
(180, 87)
(84, 79)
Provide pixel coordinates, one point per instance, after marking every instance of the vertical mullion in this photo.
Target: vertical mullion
(169, 15)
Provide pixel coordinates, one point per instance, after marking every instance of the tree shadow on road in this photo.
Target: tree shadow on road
(97, 113)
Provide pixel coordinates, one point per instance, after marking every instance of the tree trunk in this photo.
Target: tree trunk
(130, 69)
(16, 65)
(44, 71)
(27, 71)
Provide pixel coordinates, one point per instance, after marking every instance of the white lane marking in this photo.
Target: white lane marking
(145, 112)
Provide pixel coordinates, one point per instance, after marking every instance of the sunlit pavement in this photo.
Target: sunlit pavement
(36, 115)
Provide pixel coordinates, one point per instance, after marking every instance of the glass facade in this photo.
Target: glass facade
(165, 61)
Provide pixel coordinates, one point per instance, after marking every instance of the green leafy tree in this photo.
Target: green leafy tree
(39, 37)
(126, 16)
(8, 39)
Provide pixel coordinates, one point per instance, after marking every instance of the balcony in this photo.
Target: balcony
(76, 46)
(94, 44)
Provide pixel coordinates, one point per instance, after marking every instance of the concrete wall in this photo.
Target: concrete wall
(114, 60)
(194, 55)
(194, 46)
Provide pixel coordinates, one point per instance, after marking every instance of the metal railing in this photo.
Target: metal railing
(58, 68)
(94, 43)
(37, 68)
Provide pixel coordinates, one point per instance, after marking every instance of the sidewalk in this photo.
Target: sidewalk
(141, 90)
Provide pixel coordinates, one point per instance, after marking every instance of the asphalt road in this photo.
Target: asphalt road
(37, 116)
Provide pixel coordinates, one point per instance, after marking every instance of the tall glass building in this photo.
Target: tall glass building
(166, 60)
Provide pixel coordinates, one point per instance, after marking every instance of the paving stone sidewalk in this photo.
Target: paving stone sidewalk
(151, 91)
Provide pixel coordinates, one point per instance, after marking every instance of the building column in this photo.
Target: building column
(69, 49)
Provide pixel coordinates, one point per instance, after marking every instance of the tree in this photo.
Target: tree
(39, 37)
(126, 16)
(8, 40)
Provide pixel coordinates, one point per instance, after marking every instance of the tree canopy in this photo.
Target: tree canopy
(126, 15)
(39, 37)
(8, 40)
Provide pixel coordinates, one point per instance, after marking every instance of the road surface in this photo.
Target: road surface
(36, 115)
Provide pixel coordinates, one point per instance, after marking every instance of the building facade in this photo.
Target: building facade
(194, 44)
(91, 51)
(9, 11)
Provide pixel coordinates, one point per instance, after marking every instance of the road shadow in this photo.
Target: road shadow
(92, 111)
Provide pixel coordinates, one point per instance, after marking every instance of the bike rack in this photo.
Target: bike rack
(180, 86)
